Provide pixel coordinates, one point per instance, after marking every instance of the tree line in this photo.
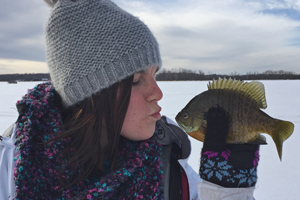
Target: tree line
(24, 77)
(177, 75)
(187, 74)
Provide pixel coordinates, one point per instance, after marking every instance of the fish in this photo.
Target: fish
(242, 101)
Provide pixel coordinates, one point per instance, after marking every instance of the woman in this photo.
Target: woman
(95, 130)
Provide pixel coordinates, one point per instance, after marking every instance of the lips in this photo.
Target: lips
(157, 114)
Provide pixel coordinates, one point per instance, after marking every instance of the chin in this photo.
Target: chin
(147, 135)
(150, 135)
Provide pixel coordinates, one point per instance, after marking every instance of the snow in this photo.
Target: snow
(277, 179)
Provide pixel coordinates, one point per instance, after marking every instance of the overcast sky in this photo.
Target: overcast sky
(217, 36)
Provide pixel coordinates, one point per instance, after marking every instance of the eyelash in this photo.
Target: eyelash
(135, 82)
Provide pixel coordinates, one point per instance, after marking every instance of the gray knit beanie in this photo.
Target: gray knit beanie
(92, 44)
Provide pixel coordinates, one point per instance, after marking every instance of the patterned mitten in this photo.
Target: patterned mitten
(228, 165)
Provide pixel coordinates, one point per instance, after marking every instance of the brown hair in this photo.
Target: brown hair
(94, 127)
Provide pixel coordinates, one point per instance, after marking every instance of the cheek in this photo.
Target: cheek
(136, 122)
(135, 107)
(132, 116)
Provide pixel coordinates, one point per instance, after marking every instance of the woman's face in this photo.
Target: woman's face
(143, 110)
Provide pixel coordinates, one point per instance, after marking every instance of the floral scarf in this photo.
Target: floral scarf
(139, 175)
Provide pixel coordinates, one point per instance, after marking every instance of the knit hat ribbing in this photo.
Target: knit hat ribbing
(92, 44)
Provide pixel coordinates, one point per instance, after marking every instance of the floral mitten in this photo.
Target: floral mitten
(228, 165)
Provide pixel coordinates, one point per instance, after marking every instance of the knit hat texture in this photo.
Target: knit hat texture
(92, 44)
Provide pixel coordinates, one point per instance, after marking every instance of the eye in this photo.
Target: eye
(136, 79)
(135, 82)
(185, 115)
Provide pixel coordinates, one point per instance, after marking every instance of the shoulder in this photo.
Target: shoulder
(7, 149)
(9, 131)
(167, 132)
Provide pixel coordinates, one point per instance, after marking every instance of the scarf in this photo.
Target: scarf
(37, 167)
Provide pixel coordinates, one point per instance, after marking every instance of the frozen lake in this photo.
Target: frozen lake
(276, 180)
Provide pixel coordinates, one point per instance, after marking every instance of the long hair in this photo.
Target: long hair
(94, 127)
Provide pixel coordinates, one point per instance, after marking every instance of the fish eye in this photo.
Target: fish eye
(185, 115)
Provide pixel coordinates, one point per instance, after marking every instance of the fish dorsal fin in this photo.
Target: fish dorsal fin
(254, 89)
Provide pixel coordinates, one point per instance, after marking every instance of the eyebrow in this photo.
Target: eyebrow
(144, 71)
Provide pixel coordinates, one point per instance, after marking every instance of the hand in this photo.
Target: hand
(228, 165)
(216, 130)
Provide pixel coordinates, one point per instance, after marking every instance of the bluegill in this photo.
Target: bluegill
(243, 102)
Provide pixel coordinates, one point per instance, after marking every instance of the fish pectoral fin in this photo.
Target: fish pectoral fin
(282, 131)
(198, 135)
(259, 140)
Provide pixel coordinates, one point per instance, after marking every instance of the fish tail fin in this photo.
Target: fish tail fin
(282, 131)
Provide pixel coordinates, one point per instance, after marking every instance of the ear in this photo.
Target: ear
(51, 3)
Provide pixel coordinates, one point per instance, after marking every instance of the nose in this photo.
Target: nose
(156, 93)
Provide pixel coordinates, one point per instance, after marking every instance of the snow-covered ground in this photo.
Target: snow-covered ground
(278, 180)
